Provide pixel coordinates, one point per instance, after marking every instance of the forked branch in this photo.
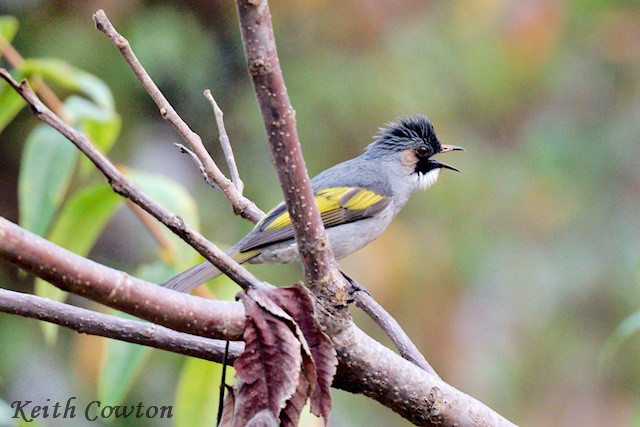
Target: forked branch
(126, 188)
(241, 205)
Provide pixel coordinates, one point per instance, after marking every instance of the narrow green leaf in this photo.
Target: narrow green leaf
(70, 77)
(10, 104)
(46, 167)
(197, 394)
(175, 198)
(79, 224)
(8, 28)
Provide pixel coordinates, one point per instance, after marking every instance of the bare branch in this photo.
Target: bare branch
(225, 144)
(104, 325)
(73, 273)
(126, 188)
(198, 163)
(369, 368)
(241, 205)
(320, 268)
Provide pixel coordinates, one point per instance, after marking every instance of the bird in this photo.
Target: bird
(357, 199)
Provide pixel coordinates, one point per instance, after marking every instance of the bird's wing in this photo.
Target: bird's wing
(337, 205)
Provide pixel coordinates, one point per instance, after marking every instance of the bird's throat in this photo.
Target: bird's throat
(425, 180)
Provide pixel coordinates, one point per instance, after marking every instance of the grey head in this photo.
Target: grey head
(414, 141)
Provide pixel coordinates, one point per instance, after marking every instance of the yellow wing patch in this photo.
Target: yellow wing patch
(330, 199)
(361, 200)
(281, 221)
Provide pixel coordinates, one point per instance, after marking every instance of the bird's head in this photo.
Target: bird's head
(413, 142)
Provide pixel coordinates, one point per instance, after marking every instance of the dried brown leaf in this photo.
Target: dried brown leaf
(271, 364)
(296, 300)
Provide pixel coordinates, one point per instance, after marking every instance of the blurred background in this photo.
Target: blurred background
(510, 276)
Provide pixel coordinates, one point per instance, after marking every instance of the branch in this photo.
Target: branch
(365, 367)
(320, 268)
(369, 368)
(73, 273)
(126, 188)
(225, 144)
(104, 325)
(241, 205)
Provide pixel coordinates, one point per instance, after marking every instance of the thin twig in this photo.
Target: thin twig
(198, 163)
(126, 188)
(225, 143)
(223, 382)
(104, 325)
(241, 205)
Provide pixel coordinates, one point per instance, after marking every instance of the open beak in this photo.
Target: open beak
(446, 149)
(441, 165)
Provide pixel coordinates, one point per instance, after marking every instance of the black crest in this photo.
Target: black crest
(406, 133)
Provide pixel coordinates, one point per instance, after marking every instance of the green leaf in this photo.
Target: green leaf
(47, 164)
(177, 199)
(101, 126)
(197, 394)
(69, 77)
(628, 327)
(8, 28)
(80, 223)
(10, 104)
(84, 217)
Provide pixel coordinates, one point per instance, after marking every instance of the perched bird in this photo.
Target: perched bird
(357, 199)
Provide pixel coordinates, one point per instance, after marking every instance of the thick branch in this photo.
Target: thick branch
(73, 273)
(369, 368)
(241, 205)
(320, 268)
(126, 188)
(133, 331)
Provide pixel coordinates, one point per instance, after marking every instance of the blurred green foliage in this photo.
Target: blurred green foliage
(510, 277)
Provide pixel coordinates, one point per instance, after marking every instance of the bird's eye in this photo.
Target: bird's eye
(423, 151)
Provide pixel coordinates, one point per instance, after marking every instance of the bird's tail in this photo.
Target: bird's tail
(200, 273)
